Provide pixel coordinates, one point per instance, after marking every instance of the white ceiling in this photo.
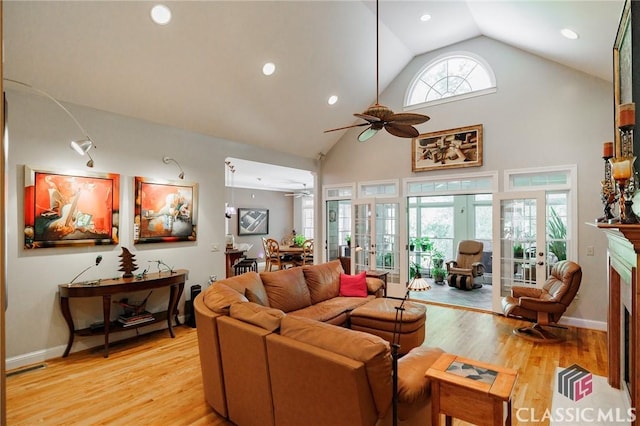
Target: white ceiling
(202, 71)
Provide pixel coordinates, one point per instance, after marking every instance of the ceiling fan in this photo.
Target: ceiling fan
(378, 116)
(302, 193)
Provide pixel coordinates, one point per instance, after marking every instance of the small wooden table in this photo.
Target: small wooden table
(470, 390)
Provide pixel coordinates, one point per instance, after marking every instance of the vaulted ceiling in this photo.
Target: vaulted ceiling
(202, 71)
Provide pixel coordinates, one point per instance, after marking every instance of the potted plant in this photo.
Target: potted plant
(438, 274)
(414, 269)
(437, 258)
(425, 244)
(347, 239)
(412, 244)
(518, 251)
(298, 240)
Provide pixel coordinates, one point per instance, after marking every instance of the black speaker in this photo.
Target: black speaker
(188, 306)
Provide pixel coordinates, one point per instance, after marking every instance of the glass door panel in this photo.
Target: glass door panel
(362, 246)
(519, 230)
(387, 229)
(338, 228)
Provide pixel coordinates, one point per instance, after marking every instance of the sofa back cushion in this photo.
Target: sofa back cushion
(219, 297)
(258, 315)
(372, 351)
(250, 285)
(286, 289)
(323, 280)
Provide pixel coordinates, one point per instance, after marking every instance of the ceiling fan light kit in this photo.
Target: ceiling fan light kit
(379, 116)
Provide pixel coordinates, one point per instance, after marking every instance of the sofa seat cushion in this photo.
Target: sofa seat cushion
(248, 281)
(330, 309)
(371, 350)
(323, 280)
(286, 289)
(219, 297)
(380, 314)
(258, 315)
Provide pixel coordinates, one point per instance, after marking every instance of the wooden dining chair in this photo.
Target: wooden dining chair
(307, 253)
(267, 258)
(274, 256)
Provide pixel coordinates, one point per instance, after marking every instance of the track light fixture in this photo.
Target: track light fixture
(167, 160)
(81, 146)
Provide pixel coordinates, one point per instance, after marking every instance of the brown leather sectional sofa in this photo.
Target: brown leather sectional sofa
(274, 350)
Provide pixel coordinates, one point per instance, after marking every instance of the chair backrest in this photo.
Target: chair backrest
(564, 282)
(265, 248)
(307, 247)
(273, 248)
(469, 252)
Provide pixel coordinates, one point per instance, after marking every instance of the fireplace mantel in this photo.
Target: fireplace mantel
(623, 278)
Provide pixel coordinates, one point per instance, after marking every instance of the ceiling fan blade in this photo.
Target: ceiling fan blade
(401, 130)
(409, 118)
(346, 127)
(369, 118)
(367, 134)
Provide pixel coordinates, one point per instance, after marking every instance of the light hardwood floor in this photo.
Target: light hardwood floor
(155, 380)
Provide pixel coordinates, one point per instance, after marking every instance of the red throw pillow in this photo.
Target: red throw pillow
(353, 285)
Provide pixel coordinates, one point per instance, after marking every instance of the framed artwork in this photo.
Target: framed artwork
(253, 221)
(447, 149)
(70, 209)
(622, 57)
(165, 211)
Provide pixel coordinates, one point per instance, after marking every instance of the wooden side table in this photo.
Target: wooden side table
(470, 390)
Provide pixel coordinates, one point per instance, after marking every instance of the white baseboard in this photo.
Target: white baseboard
(583, 323)
(79, 344)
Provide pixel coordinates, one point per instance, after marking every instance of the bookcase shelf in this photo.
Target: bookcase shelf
(116, 326)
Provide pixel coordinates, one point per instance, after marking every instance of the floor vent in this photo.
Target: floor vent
(27, 369)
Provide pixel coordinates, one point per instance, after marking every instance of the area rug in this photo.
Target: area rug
(581, 398)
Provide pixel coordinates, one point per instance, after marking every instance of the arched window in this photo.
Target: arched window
(450, 77)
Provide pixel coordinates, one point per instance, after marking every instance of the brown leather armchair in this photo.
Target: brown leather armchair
(467, 267)
(544, 306)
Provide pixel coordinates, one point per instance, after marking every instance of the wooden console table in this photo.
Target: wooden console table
(107, 288)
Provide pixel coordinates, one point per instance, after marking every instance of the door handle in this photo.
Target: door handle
(541, 263)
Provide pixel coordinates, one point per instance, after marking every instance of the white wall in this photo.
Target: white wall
(542, 114)
(39, 135)
(280, 216)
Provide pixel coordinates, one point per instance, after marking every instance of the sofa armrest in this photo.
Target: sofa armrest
(518, 291)
(414, 389)
(539, 305)
(375, 286)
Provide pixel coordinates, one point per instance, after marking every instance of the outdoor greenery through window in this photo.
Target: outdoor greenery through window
(454, 75)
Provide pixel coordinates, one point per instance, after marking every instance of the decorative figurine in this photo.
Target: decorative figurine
(607, 191)
(127, 264)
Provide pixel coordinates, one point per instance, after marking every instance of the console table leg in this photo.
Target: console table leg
(66, 313)
(106, 315)
(174, 296)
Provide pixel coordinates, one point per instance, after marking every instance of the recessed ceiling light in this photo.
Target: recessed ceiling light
(160, 14)
(332, 99)
(268, 68)
(570, 34)
(426, 17)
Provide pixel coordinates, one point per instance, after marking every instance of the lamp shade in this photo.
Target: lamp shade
(418, 284)
(82, 146)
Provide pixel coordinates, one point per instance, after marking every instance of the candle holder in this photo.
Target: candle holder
(607, 192)
(621, 168)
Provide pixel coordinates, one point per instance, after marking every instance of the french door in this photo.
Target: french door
(375, 243)
(519, 249)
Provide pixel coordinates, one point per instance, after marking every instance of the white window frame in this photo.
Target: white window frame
(473, 94)
(446, 181)
(394, 182)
